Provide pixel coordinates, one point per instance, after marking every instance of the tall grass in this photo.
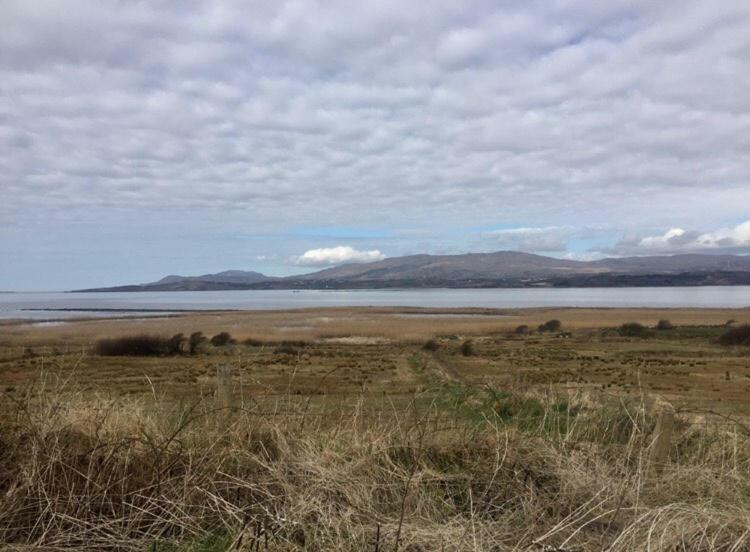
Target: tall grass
(453, 468)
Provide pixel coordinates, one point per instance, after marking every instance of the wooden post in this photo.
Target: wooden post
(224, 385)
(662, 439)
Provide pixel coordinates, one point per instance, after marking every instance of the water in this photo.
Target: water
(15, 305)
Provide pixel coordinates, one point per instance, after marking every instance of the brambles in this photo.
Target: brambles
(550, 326)
(431, 345)
(150, 345)
(135, 345)
(664, 324)
(467, 347)
(176, 343)
(222, 339)
(634, 329)
(736, 336)
(289, 347)
(195, 341)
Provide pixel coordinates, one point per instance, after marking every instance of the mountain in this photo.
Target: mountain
(226, 277)
(499, 269)
(502, 264)
(229, 279)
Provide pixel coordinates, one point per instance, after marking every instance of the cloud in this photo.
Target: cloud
(584, 256)
(677, 240)
(461, 46)
(549, 239)
(341, 254)
(265, 116)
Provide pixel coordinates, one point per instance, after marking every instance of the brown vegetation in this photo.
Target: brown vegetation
(736, 336)
(354, 441)
(455, 468)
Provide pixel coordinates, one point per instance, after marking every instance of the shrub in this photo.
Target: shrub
(295, 343)
(174, 345)
(134, 345)
(664, 324)
(633, 329)
(467, 347)
(736, 336)
(431, 345)
(286, 348)
(195, 340)
(550, 326)
(221, 339)
(523, 329)
(252, 342)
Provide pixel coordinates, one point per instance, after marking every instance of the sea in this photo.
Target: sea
(42, 306)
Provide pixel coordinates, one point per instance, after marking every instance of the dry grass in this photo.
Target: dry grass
(453, 468)
(344, 434)
(400, 324)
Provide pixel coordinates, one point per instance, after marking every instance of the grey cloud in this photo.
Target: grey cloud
(289, 112)
(550, 239)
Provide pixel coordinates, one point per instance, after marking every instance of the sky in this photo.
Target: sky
(139, 139)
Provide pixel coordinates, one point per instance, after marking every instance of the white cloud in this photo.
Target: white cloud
(739, 236)
(731, 240)
(337, 255)
(584, 256)
(669, 239)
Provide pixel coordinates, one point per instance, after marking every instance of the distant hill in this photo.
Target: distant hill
(229, 279)
(499, 269)
(226, 277)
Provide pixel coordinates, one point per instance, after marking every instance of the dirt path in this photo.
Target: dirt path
(447, 368)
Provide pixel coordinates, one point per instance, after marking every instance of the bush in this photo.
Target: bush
(221, 339)
(664, 325)
(286, 348)
(467, 347)
(736, 336)
(134, 345)
(195, 340)
(634, 329)
(523, 329)
(431, 345)
(175, 343)
(550, 326)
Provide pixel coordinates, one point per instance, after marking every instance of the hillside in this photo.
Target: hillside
(499, 269)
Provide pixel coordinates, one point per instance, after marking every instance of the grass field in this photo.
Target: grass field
(379, 429)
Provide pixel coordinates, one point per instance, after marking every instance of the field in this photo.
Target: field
(379, 429)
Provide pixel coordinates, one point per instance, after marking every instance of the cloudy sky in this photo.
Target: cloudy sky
(143, 138)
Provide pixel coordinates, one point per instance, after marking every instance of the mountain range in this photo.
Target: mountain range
(472, 270)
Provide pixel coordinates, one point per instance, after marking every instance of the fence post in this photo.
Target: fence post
(662, 439)
(224, 385)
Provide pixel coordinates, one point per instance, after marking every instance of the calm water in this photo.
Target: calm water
(14, 305)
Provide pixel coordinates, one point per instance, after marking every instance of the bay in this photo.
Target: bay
(57, 305)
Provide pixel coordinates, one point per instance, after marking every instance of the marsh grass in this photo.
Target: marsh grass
(454, 467)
